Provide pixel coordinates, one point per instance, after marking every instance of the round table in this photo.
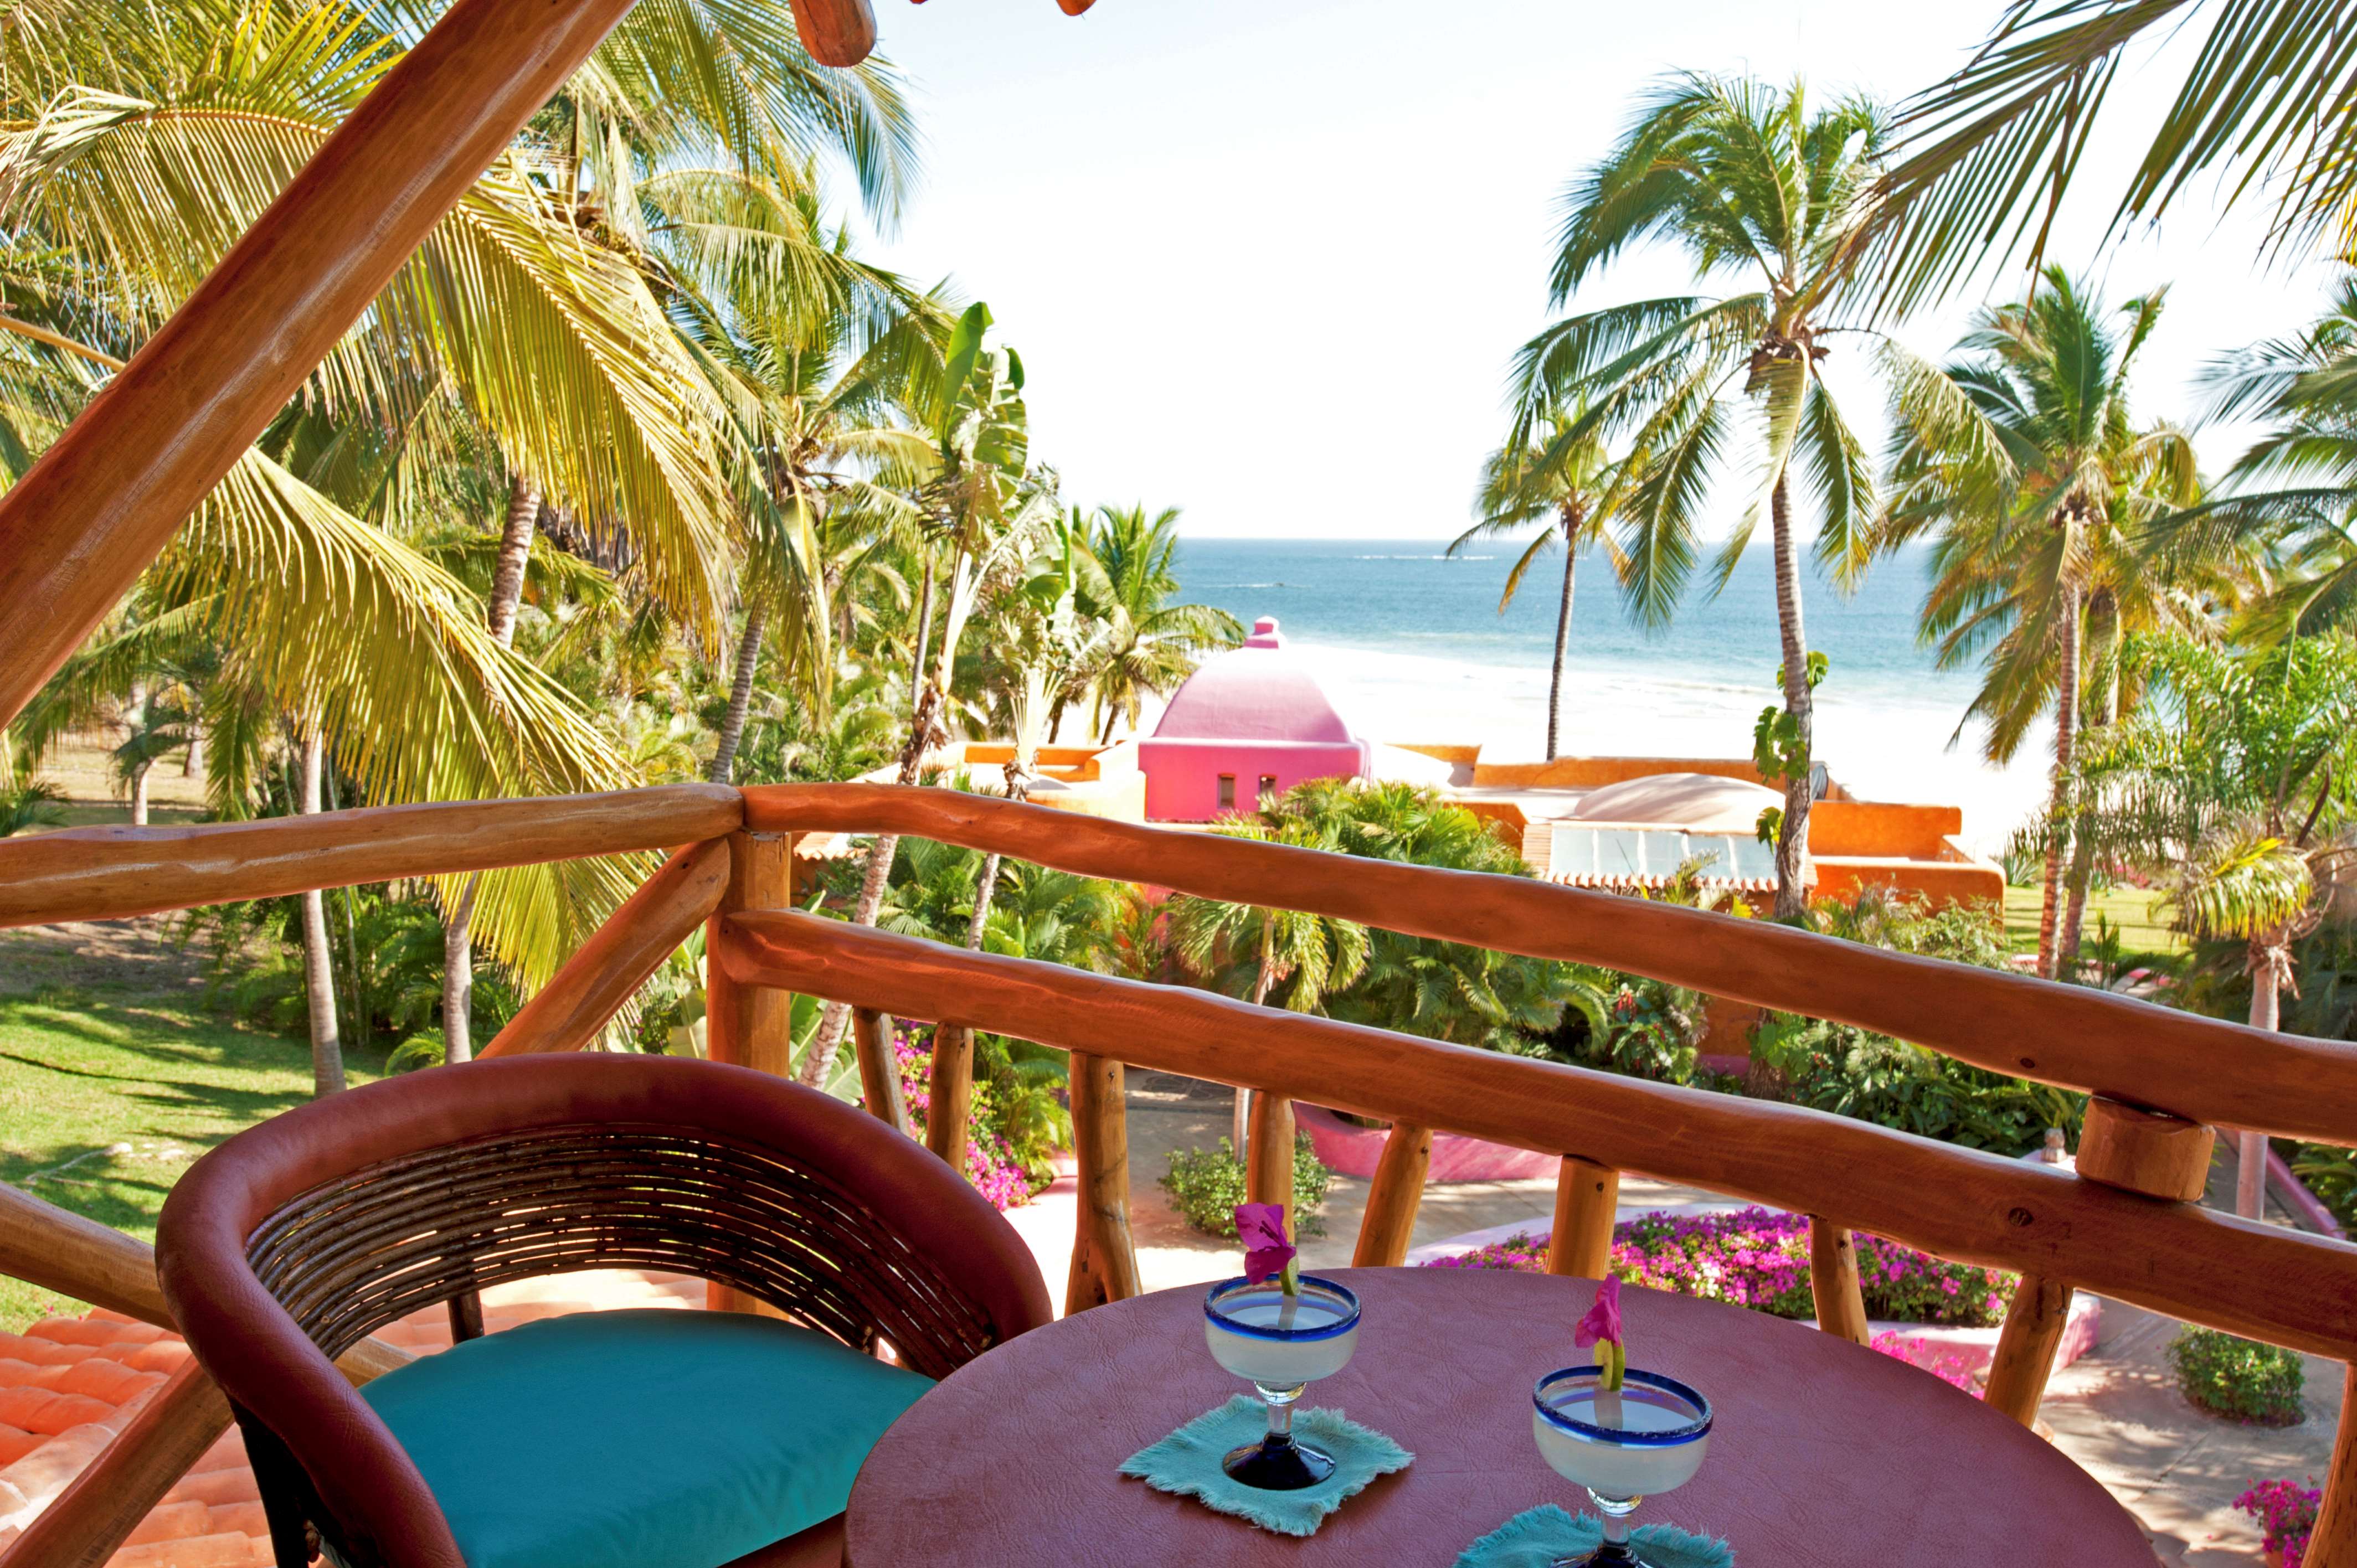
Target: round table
(1823, 1453)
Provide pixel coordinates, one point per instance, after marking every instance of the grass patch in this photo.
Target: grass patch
(2145, 935)
(110, 1089)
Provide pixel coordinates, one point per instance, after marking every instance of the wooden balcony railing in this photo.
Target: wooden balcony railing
(2125, 1223)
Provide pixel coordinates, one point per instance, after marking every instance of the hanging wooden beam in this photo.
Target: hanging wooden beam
(1105, 1255)
(1833, 1280)
(836, 32)
(78, 529)
(1587, 1202)
(619, 956)
(879, 1069)
(1393, 1197)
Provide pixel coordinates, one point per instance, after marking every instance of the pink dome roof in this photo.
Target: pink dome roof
(1258, 692)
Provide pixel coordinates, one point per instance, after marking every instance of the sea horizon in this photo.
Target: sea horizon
(1410, 642)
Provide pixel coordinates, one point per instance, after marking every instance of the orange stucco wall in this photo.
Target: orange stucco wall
(1594, 772)
(1882, 828)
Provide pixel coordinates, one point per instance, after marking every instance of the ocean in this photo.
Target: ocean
(1411, 646)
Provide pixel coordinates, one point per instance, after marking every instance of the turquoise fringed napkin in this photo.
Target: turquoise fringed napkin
(1187, 1463)
(1544, 1536)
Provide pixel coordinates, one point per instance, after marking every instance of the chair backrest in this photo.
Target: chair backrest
(297, 1238)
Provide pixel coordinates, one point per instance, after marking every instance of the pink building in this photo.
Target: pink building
(1250, 723)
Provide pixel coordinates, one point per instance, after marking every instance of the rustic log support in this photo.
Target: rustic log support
(569, 1010)
(1394, 1198)
(1587, 1201)
(2287, 1287)
(78, 527)
(750, 1026)
(839, 33)
(1833, 1280)
(2025, 1346)
(2073, 1036)
(949, 1094)
(1105, 1255)
(2144, 1151)
(879, 1072)
(103, 873)
(2333, 1542)
(1268, 1154)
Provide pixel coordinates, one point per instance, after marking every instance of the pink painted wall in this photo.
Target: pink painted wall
(1251, 714)
(1182, 776)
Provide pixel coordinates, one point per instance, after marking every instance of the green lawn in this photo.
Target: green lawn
(112, 1079)
(2145, 936)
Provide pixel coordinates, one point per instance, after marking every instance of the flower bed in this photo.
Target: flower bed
(990, 1162)
(2287, 1515)
(1759, 1259)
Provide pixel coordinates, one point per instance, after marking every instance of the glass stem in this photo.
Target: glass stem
(1280, 1412)
(1615, 1512)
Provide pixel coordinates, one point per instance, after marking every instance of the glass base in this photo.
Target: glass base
(1277, 1465)
(1611, 1554)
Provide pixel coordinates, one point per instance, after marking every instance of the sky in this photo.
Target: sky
(1268, 262)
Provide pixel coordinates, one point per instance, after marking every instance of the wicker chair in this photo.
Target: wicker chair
(295, 1239)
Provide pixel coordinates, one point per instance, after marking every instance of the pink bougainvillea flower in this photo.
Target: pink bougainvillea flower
(1268, 1251)
(1601, 1328)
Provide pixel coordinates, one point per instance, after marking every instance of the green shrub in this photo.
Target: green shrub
(1206, 1184)
(2238, 1379)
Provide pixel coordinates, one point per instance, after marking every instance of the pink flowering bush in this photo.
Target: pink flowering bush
(1944, 1364)
(1759, 1259)
(991, 1163)
(2287, 1515)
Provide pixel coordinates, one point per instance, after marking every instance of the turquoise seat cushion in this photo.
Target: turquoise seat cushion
(644, 1439)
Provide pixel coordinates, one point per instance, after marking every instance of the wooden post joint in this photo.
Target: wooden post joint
(2145, 1150)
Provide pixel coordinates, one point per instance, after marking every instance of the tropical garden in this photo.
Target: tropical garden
(640, 472)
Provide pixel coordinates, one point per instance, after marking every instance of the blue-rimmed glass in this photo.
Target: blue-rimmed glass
(1647, 1436)
(1283, 1344)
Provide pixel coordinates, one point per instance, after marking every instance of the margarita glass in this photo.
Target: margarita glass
(1283, 1344)
(1623, 1445)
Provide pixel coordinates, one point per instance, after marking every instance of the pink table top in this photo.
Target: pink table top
(1823, 1453)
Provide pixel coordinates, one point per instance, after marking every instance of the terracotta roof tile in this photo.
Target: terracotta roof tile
(234, 1549)
(245, 1517)
(42, 1410)
(218, 1488)
(173, 1521)
(15, 1443)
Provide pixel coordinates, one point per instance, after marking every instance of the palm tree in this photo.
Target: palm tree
(1991, 152)
(1564, 480)
(985, 506)
(2242, 786)
(1750, 182)
(1263, 952)
(2294, 492)
(2024, 459)
(1153, 644)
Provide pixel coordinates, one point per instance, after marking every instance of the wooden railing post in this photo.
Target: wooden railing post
(1833, 1278)
(2119, 1145)
(1587, 1200)
(1269, 1157)
(2333, 1542)
(879, 1071)
(750, 1026)
(949, 1094)
(1393, 1197)
(1105, 1256)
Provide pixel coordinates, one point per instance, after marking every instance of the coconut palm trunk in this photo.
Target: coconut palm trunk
(877, 877)
(1792, 832)
(457, 925)
(1563, 626)
(2268, 957)
(318, 963)
(740, 695)
(2058, 811)
(2103, 712)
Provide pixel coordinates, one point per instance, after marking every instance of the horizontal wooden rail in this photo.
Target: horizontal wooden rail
(96, 873)
(2238, 1275)
(2199, 1068)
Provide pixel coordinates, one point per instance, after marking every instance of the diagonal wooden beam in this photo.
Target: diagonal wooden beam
(619, 955)
(78, 529)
